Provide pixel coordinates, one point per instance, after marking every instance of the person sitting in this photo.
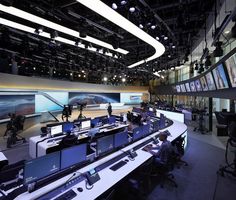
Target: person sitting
(93, 131)
(164, 150)
(68, 141)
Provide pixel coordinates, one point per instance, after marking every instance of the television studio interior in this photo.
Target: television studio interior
(119, 99)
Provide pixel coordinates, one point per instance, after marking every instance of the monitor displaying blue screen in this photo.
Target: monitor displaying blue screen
(155, 126)
(73, 155)
(94, 122)
(146, 129)
(112, 120)
(41, 167)
(105, 144)
(220, 77)
(67, 126)
(137, 133)
(120, 139)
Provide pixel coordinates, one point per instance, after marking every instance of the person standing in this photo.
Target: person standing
(109, 109)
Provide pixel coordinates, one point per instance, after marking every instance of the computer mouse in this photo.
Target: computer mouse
(126, 160)
(80, 189)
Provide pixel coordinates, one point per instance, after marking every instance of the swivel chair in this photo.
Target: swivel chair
(179, 146)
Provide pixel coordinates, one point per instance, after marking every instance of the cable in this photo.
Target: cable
(215, 189)
(87, 185)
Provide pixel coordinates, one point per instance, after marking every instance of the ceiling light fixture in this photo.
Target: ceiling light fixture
(132, 9)
(218, 52)
(123, 2)
(35, 19)
(114, 6)
(141, 26)
(108, 13)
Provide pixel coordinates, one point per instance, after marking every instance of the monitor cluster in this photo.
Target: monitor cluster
(222, 76)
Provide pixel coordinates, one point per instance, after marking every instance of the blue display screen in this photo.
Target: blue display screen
(67, 126)
(137, 133)
(146, 129)
(41, 167)
(111, 120)
(73, 155)
(105, 144)
(120, 139)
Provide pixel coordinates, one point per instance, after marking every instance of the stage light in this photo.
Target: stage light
(141, 26)
(54, 35)
(123, 2)
(39, 30)
(173, 46)
(105, 78)
(196, 66)
(165, 38)
(157, 38)
(201, 69)
(208, 62)
(132, 9)
(218, 52)
(114, 6)
(153, 27)
(123, 80)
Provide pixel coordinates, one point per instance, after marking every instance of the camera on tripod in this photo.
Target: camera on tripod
(81, 106)
(66, 112)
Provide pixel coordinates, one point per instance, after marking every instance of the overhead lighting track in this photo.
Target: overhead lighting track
(38, 20)
(113, 16)
(46, 35)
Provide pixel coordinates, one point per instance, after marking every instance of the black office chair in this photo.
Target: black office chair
(179, 146)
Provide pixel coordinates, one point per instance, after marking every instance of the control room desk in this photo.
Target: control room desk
(108, 177)
(38, 145)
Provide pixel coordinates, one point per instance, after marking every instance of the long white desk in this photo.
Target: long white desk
(108, 177)
(38, 145)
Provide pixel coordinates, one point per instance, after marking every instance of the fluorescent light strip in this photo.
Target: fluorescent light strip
(45, 34)
(35, 19)
(108, 13)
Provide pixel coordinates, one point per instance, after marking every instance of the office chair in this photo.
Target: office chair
(179, 146)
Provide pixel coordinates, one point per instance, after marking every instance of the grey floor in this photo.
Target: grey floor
(198, 181)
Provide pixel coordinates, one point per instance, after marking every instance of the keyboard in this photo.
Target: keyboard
(70, 194)
(118, 165)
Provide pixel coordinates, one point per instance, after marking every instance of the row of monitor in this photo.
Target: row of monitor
(60, 128)
(52, 163)
(221, 77)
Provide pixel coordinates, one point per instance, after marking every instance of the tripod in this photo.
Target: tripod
(230, 168)
(201, 124)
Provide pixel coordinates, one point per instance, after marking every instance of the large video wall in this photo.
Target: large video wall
(18, 104)
(221, 76)
(93, 98)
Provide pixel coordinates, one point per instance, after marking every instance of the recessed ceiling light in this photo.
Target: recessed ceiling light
(157, 38)
(141, 26)
(173, 46)
(153, 27)
(227, 32)
(105, 78)
(113, 16)
(132, 9)
(123, 2)
(165, 38)
(114, 6)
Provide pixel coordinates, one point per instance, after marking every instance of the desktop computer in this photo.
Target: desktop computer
(67, 127)
(120, 139)
(105, 145)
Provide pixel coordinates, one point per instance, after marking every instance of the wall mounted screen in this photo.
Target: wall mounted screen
(198, 85)
(220, 77)
(131, 98)
(18, 104)
(204, 83)
(178, 88)
(93, 98)
(231, 68)
(182, 86)
(210, 81)
(187, 87)
(192, 86)
(42, 103)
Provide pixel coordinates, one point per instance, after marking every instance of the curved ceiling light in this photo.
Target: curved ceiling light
(46, 35)
(35, 19)
(108, 13)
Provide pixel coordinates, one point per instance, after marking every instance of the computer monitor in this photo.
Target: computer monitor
(231, 68)
(220, 77)
(85, 124)
(146, 129)
(41, 167)
(198, 85)
(67, 126)
(94, 122)
(105, 145)
(56, 130)
(73, 155)
(192, 86)
(137, 133)
(120, 139)
(104, 120)
(210, 81)
(112, 120)
(204, 83)
(155, 126)
(187, 87)
(93, 131)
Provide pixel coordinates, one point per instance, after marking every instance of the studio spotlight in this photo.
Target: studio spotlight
(54, 35)
(153, 27)
(123, 80)
(196, 66)
(208, 62)
(201, 69)
(105, 79)
(114, 6)
(218, 52)
(38, 30)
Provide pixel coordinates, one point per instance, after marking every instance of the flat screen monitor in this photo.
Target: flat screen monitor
(56, 130)
(105, 145)
(187, 87)
(231, 68)
(146, 129)
(120, 139)
(220, 77)
(198, 85)
(155, 126)
(178, 88)
(93, 131)
(192, 86)
(86, 124)
(112, 120)
(137, 133)
(104, 120)
(210, 81)
(182, 86)
(94, 122)
(41, 167)
(73, 155)
(204, 83)
(67, 126)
